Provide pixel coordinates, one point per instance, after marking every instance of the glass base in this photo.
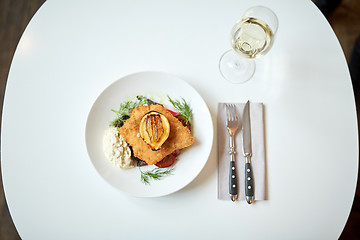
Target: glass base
(236, 69)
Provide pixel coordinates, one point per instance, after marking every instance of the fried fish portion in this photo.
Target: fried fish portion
(179, 137)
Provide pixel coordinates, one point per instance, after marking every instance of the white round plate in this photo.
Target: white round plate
(157, 86)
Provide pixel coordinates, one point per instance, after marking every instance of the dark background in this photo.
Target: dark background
(16, 14)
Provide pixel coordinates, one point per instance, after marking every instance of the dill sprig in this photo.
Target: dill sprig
(125, 108)
(183, 108)
(155, 174)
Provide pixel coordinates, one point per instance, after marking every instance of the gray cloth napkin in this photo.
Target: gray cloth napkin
(258, 153)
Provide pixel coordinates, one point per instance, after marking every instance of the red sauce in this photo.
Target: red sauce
(168, 160)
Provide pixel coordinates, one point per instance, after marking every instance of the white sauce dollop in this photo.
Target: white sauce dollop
(116, 149)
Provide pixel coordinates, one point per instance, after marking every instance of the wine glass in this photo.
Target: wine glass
(250, 38)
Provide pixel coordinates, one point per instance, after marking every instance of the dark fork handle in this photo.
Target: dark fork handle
(233, 190)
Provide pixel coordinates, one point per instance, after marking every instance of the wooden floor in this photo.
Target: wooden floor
(15, 15)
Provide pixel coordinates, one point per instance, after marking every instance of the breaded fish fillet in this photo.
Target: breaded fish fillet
(179, 137)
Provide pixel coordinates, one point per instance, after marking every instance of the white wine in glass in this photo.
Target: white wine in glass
(250, 38)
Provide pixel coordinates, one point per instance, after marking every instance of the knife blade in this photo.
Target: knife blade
(247, 151)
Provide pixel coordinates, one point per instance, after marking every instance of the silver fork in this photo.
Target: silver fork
(232, 125)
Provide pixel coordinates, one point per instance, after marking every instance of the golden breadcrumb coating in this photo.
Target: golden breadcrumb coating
(179, 137)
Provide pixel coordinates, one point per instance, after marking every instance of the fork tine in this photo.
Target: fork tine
(232, 110)
(235, 112)
(231, 113)
(227, 113)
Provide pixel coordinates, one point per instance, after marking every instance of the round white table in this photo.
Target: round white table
(72, 50)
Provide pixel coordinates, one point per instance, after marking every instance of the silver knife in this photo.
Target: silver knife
(246, 131)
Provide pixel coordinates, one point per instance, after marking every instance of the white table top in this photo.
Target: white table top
(72, 50)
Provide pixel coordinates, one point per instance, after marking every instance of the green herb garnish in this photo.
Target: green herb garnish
(123, 113)
(183, 108)
(155, 174)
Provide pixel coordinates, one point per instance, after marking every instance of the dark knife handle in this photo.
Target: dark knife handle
(233, 190)
(249, 183)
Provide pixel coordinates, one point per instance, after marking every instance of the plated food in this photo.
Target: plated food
(123, 92)
(150, 133)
